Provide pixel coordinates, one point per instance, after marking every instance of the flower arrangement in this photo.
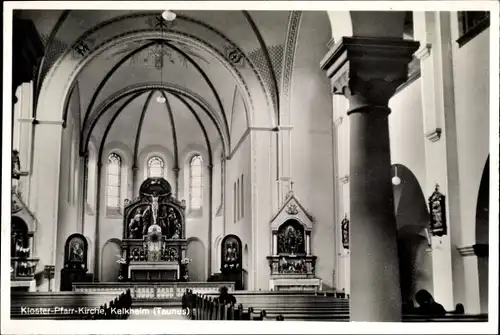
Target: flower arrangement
(186, 260)
(121, 260)
(22, 252)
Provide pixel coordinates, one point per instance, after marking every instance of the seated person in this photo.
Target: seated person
(225, 297)
(427, 305)
(408, 307)
(187, 299)
(459, 309)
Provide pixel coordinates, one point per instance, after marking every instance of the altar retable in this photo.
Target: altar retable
(154, 240)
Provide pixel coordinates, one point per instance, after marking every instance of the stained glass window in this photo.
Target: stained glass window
(114, 181)
(155, 167)
(196, 182)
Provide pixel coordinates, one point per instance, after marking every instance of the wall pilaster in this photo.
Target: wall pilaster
(432, 29)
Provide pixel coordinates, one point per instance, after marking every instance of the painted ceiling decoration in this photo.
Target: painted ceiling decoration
(157, 57)
(209, 72)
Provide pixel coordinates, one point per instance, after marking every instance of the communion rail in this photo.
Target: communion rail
(153, 291)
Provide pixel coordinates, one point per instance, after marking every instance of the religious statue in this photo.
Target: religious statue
(76, 254)
(164, 220)
(436, 213)
(231, 253)
(437, 207)
(16, 165)
(171, 221)
(345, 232)
(290, 240)
(135, 225)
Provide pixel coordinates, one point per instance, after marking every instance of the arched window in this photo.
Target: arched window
(196, 182)
(114, 181)
(155, 167)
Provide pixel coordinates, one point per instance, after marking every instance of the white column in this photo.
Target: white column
(44, 196)
(284, 160)
(261, 190)
(432, 29)
(30, 245)
(23, 134)
(308, 243)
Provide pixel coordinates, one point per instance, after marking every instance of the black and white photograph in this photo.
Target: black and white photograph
(319, 167)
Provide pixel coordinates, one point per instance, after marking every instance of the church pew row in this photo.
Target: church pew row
(69, 305)
(312, 307)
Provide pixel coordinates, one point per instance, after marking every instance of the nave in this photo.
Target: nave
(319, 164)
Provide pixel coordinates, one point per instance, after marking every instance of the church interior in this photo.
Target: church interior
(299, 158)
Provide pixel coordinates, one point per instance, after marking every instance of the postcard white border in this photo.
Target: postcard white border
(190, 327)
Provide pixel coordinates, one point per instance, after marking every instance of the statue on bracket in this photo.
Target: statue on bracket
(437, 206)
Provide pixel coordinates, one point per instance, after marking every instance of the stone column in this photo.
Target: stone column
(367, 72)
(451, 285)
(30, 246)
(275, 243)
(135, 190)
(44, 195)
(308, 243)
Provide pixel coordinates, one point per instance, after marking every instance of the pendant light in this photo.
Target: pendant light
(396, 180)
(168, 15)
(160, 98)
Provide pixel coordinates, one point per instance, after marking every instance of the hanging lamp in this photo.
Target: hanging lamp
(396, 180)
(161, 98)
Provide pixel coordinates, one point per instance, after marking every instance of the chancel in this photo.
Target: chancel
(320, 165)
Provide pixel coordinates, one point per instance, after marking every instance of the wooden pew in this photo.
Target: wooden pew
(65, 305)
(295, 305)
(305, 306)
(208, 308)
(450, 317)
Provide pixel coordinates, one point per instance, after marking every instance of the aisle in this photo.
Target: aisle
(157, 313)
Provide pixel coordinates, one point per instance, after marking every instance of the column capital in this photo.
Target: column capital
(367, 71)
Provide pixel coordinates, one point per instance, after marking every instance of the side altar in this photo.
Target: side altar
(292, 264)
(154, 235)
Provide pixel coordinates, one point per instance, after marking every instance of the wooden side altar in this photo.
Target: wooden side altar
(291, 263)
(154, 243)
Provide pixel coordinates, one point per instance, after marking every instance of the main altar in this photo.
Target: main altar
(154, 235)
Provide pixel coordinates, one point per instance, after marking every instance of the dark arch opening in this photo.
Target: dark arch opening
(412, 218)
(482, 235)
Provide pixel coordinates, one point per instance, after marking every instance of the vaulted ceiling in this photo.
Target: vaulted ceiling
(215, 69)
(205, 62)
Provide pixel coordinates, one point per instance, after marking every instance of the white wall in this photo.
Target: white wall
(312, 142)
(69, 183)
(472, 102)
(239, 165)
